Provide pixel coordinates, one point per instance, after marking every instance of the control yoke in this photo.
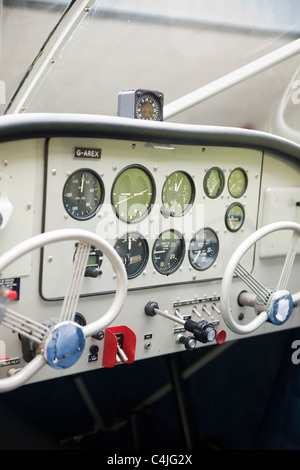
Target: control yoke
(61, 344)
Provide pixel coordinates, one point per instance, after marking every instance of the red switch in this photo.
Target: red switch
(119, 346)
(221, 336)
(8, 293)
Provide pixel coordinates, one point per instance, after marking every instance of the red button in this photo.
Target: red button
(9, 294)
(12, 295)
(220, 336)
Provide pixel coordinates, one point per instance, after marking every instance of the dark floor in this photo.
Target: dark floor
(228, 403)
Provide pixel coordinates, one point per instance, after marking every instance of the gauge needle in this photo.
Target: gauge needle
(177, 187)
(82, 183)
(214, 185)
(130, 197)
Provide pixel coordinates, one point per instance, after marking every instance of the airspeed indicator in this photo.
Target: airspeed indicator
(83, 193)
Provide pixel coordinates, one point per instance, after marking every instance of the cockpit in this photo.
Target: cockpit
(149, 223)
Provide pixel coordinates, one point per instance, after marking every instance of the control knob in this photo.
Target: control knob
(188, 341)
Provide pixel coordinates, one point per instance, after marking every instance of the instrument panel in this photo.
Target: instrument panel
(174, 213)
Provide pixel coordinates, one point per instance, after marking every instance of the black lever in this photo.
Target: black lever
(203, 331)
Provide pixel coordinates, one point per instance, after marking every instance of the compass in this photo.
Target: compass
(146, 105)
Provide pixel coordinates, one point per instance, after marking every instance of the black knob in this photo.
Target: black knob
(92, 272)
(203, 330)
(94, 349)
(149, 308)
(189, 342)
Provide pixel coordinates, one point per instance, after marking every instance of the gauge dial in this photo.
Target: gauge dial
(168, 252)
(148, 107)
(94, 262)
(133, 193)
(134, 252)
(178, 193)
(214, 182)
(237, 182)
(83, 194)
(203, 249)
(234, 217)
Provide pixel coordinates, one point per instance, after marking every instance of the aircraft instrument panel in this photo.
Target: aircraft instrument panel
(174, 214)
(120, 234)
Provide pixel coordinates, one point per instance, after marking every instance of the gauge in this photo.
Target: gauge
(148, 106)
(83, 194)
(214, 182)
(94, 262)
(178, 193)
(234, 217)
(203, 249)
(168, 252)
(141, 104)
(133, 193)
(133, 250)
(237, 182)
(79, 318)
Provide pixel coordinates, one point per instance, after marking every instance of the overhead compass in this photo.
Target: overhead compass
(146, 105)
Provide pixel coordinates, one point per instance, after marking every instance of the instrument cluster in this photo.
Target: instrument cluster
(173, 213)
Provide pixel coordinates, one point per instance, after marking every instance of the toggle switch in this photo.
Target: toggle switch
(215, 308)
(196, 311)
(119, 346)
(205, 309)
(121, 356)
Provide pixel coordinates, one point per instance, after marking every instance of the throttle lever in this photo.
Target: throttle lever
(203, 331)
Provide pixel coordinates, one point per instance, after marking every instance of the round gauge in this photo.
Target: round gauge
(203, 249)
(234, 217)
(83, 194)
(148, 107)
(237, 182)
(214, 182)
(133, 193)
(178, 193)
(168, 252)
(133, 250)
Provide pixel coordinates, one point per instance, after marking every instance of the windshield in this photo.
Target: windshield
(75, 57)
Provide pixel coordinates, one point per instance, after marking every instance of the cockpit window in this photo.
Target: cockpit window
(100, 48)
(25, 26)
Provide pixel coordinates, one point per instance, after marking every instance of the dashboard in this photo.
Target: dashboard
(169, 211)
(174, 202)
